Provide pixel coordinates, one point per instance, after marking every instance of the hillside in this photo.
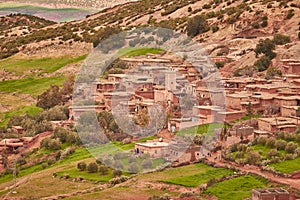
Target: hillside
(72, 4)
(38, 61)
(231, 25)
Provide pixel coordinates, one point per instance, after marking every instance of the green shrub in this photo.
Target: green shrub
(51, 144)
(273, 153)
(92, 167)
(261, 140)
(103, 169)
(263, 63)
(147, 163)
(197, 25)
(290, 14)
(265, 47)
(206, 6)
(81, 166)
(133, 168)
(281, 39)
(271, 142)
(117, 173)
(51, 161)
(220, 64)
(118, 165)
(255, 24)
(280, 144)
(215, 28)
(291, 147)
(264, 23)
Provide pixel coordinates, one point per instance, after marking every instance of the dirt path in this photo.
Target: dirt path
(21, 181)
(293, 183)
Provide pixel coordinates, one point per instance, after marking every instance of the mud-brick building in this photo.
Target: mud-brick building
(284, 124)
(290, 66)
(155, 149)
(270, 194)
(233, 101)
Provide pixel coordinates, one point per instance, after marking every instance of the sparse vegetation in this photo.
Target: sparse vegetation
(197, 25)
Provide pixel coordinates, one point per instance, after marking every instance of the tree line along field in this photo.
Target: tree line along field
(280, 153)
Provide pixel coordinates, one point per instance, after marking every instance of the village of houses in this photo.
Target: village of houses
(161, 80)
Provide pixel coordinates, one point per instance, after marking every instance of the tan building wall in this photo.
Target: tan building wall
(264, 126)
(287, 111)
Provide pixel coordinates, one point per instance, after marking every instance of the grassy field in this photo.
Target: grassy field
(23, 65)
(75, 173)
(53, 14)
(288, 166)
(23, 172)
(33, 86)
(131, 52)
(123, 192)
(245, 118)
(201, 129)
(30, 110)
(206, 174)
(237, 188)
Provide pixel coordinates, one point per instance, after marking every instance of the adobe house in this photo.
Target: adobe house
(107, 86)
(181, 151)
(113, 98)
(18, 129)
(296, 82)
(116, 77)
(287, 111)
(162, 95)
(227, 116)
(76, 111)
(244, 130)
(261, 133)
(238, 83)
(271, 88)
(260, 81)
(272, 125)
(255, 105)
(11, 145)
(177, 124)
(206, 113)
(233, 101)
(290, 66)
(265, 99)
(270, 194)
(142, 61)
(203, 93)
(289, 100)
(192, 77)
(213, 96)
(155, 149)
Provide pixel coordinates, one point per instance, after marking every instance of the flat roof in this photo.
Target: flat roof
(153, 144)
(239, 95)
(279, 120)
